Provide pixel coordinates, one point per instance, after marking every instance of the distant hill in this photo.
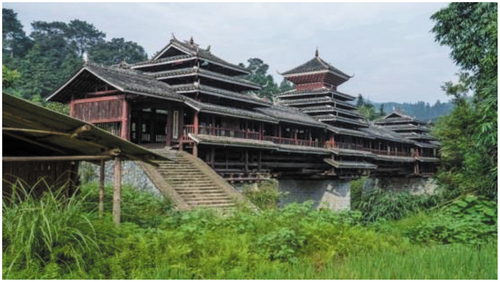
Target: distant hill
(420, 110)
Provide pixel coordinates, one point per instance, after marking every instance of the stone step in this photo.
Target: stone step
(188, 180)
(206, 196)
(209, 202)
(214, 205)
(198, 189)
(201, 192)
(204, 199)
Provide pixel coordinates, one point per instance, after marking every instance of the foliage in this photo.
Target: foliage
(9, 77)
(265, 196)
(470, 30)
(380, 205)
(294, 242)
(367, 109)
(356, 188)
(54, 52)
(258, 74)
(116, 51)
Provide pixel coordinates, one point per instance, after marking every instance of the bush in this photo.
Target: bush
(266, 196)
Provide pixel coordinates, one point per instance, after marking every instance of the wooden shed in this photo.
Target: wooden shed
(39, 143)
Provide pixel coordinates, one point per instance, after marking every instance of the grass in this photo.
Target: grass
(56, 237)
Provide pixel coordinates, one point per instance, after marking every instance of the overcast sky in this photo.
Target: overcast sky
(388, 47)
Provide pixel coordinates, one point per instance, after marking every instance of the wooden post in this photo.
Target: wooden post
(101, 188)
(125, 125)
(72, 107)
(295, 135)
(279, 131)
(260, 161)
(117, 191)
(212, 156)
(260, 130)
(195, 122)
(168, 129)
(246, 160)
(195, 149)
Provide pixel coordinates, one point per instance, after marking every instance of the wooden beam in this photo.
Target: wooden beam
(117, 191)
(80, 129)
(54, 158)
(35, 131)
(103, 92)
(98, 99)
(101, 188)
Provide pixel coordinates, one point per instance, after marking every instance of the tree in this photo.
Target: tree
(368, 111)
(285, 85)
(9, 77)
(50, 61)
(15, 42)
(259, 75)
(116, 51)
(381, 112)
(470, 30)
(83, 35)
(361, 101)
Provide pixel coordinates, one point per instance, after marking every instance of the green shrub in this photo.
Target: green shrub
(357, 192)
(266, 196)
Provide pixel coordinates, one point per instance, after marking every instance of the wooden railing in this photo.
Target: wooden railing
(247, 134)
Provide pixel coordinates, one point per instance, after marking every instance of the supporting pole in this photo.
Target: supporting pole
(246, 160)
(72, 107)
(101, 189)
(117, 191)
(125, 125)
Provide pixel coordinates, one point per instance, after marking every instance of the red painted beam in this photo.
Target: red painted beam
(99, 99)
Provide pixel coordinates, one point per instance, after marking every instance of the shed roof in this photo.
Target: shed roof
(63, 134)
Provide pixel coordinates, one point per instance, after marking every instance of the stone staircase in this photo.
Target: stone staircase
(190, 182)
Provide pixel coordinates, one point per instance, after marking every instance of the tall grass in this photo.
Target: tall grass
(54, 236)
(45, 230)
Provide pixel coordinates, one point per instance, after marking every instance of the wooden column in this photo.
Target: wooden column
(196, 122)
(72, 107)
(212, 157)
(101, 188)
(296, 131)
(246, 160)
(168, 129)
(279, 131)
(260, 130)
(117, 191)
(125, 120)
(260, 161)
(196, 128)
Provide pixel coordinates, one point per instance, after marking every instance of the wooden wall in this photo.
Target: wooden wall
(55, 174)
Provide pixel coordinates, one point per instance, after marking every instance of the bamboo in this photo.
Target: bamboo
(54, 158)
(117, 191)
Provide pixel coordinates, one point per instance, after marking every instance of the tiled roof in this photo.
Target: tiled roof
(317, 91)
(183, 88)
(416, 136)
(229, 141)
(261, 144)
(290, 115)
(314, 65)
(341, 119)
(428, 159)
(407, 127)
(229, 111)
(385, 134)
(123, 79)
(315, 100)
(349, 152)
(163, 60)
(349, 132)
(194, 49)
(394, 159)
(426, 145)
(205, 73)
(329, 108)
(349, 164)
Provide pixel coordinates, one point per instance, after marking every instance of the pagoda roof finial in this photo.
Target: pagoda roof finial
(173, 37)
(317, 52)
(191, 41)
